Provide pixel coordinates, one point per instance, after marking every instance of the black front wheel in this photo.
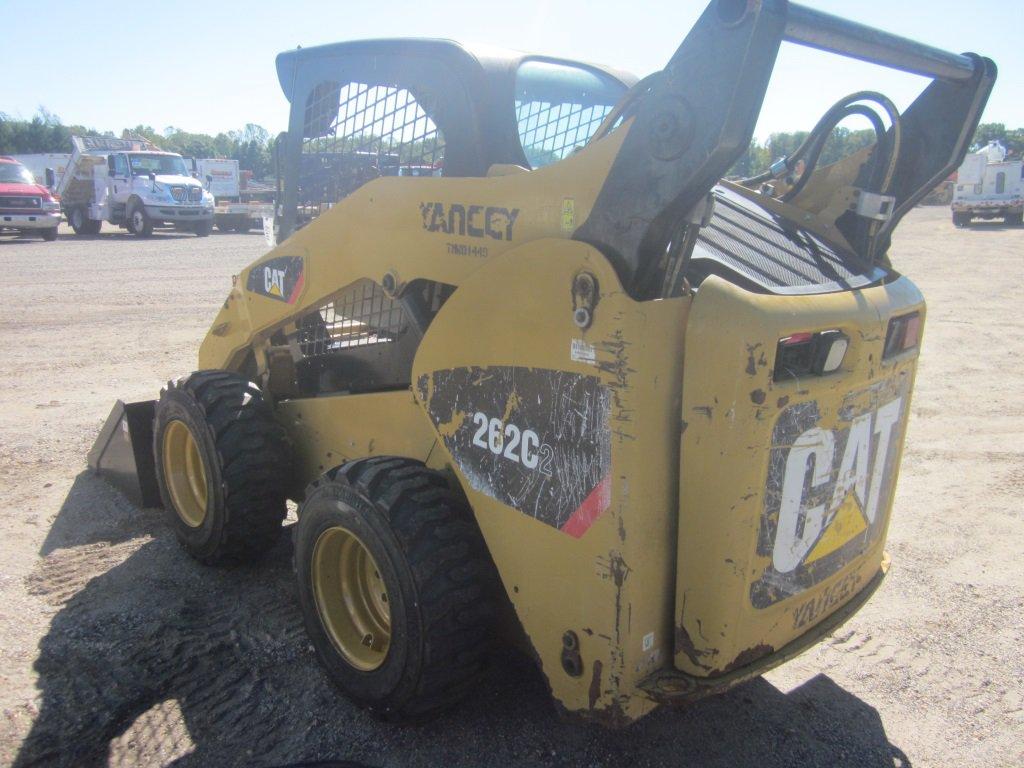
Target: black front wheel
(48, 234)
(395, 586)
(222, 465)
(139, 223)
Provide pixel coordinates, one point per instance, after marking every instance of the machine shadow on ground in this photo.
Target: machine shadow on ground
(153, 659)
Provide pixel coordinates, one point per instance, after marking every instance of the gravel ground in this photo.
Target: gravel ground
(117, 649)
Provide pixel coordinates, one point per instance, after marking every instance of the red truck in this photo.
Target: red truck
(24, 205)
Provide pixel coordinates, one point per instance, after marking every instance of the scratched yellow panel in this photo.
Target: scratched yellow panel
(612, 586)
(746, 584)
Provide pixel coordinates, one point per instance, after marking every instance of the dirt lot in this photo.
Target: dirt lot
(117, 649)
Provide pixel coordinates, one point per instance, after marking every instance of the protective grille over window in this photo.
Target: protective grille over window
(356, 132)
(550, 132)
(559, 107)
(359, 317)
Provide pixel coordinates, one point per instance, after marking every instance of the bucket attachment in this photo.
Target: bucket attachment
(123, 452)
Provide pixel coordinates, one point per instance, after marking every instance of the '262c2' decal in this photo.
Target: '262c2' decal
(536, 440)
(515, 444)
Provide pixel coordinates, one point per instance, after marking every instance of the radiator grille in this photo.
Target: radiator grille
(21, 202)
(772, 253)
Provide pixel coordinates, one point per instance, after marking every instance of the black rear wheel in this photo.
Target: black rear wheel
(222, 464)
(395, 584)
(78, 218)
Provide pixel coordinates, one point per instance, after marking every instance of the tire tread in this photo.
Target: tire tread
(253, 451)
(451, 568)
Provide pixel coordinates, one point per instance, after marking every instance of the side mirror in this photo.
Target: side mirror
(51, 178)
(110, 165)
(152, 176)
(209, 179)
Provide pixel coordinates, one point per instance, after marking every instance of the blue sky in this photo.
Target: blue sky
(209, 66)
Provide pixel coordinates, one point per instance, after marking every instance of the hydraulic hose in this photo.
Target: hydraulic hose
(814, 144)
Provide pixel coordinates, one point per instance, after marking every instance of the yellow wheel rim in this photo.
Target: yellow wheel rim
(184, 473)
(351, 598)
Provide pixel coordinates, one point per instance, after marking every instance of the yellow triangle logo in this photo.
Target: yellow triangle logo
(848, 522)
(274, 290)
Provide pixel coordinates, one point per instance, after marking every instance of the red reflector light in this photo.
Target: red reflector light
(903, 334)
(796, 338)
(913, 330)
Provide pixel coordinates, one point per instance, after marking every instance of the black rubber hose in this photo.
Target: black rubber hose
(815, 152)
(824, 128)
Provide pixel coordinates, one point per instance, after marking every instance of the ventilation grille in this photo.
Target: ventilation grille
(774, 254)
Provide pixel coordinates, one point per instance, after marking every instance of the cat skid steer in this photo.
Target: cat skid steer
(525, 355)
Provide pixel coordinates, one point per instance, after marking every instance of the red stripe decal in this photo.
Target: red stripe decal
(297, 289)
(591, 509)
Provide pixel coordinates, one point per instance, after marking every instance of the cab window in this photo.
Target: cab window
(559, 107)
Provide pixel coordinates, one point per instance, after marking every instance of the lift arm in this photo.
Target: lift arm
(697, 117)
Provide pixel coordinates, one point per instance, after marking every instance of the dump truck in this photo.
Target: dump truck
(132, 184)
(576, 393)
(989, 186)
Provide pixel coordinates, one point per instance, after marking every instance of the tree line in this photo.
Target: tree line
(843, 142)
(252, 146)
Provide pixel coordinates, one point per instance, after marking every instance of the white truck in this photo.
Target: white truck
(988, 186)
(131, 183)
(234, 209)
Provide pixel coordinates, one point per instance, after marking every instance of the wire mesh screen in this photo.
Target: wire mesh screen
(359, 317)
(355, 132)
(550, 132)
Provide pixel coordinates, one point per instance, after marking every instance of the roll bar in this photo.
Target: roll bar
(816, 29)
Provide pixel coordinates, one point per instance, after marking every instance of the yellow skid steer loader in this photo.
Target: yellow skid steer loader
(522, 353)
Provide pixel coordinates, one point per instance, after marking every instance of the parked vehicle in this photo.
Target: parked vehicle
(235, 209)
(131, 183)
(25, 206)
(989, 186)
(38, 164)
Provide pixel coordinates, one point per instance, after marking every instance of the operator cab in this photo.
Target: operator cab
(371, 108)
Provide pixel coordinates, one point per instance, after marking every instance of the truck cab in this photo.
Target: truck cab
(132, 184)
(25, 206)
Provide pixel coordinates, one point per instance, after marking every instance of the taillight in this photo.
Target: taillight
(806, 354)
(903, 334)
